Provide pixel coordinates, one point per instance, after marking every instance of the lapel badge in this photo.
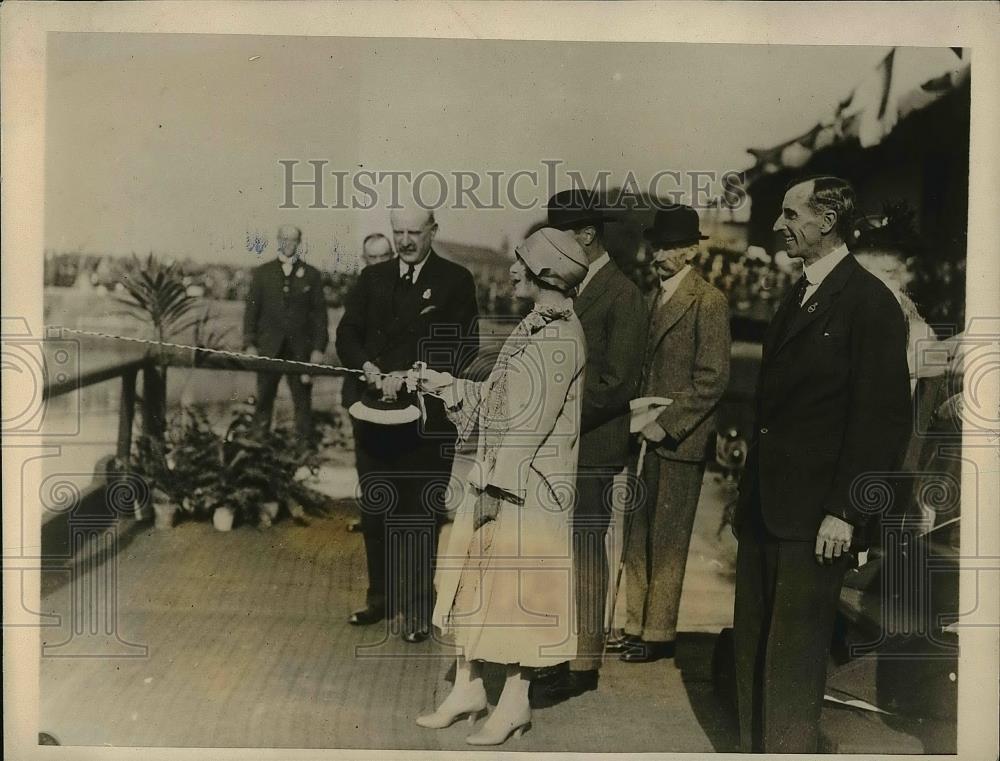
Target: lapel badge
(427, 294)
(300, 272)
(812, 307)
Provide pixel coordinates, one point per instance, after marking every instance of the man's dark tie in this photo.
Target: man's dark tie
(408, 276)
(800, 290)
(787, 312)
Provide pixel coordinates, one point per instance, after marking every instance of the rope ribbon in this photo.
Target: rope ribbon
(220, 352)
(243, 355)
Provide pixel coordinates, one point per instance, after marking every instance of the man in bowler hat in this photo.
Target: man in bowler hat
(686, 359)
(613, 316)
(833, 410)
(285, 317)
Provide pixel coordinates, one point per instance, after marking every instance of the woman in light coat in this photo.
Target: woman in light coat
(505, 581)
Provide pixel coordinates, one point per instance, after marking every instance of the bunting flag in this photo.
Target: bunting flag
(866, 111)
(904, 81)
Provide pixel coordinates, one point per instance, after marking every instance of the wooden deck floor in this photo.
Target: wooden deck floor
(241, 640)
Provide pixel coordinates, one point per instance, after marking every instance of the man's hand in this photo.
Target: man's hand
(653, 432)
(391, 384)
(316, 357)
(833, 539)
(373, 375)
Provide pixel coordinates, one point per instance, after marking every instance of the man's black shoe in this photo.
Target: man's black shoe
(646, 652)
(366, 617)
(570, 685)
(621, 644)
(416, 634)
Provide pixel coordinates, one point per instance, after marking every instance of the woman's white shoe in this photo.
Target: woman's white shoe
(497, 729)
(471, 705)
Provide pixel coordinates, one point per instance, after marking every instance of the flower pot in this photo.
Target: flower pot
(141, 510)
(164, 514)
(267, 512)
(222, 518)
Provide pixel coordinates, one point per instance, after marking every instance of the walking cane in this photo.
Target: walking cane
(627, 531)
(642, 411)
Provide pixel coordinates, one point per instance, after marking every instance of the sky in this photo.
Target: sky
(171, 143)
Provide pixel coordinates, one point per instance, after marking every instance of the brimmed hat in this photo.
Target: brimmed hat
(554, 257)
(575, 208)
(674, 226)
(372, 409)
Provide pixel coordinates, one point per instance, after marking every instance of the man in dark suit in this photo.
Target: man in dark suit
(833, 410)
(613, 316)
(687, 361)
(416, 307)
(375, 249)
(285, 317)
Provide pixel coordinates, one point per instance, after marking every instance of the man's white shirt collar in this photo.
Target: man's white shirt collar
(416, 267)
(669, 286)
(592, 270)
(817, 271)
(288, 264)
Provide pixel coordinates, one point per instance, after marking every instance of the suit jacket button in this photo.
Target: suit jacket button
(763, 430)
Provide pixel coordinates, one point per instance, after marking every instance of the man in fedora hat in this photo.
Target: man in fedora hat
(414, 307)
(613, 315)
(686, 360)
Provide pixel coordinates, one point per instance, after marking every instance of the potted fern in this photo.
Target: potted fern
(151, 462)
(195, 450)
(263, 471)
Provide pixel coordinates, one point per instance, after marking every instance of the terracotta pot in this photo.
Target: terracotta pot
(222, 518)
(266, 514)
(164, 514)
(141, 510)
(270, 509)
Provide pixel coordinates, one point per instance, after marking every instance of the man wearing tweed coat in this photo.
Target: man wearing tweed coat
(687, 361)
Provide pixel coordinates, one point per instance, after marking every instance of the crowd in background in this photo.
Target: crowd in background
(225, 282)
(752, 284)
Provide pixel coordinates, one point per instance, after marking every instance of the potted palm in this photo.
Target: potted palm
(157, 296)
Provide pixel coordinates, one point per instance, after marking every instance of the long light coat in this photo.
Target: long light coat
(505, 591)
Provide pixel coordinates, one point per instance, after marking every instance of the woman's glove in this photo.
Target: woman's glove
(487, 509)
(427, 380)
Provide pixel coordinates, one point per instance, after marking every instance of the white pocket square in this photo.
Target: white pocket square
(425, 310)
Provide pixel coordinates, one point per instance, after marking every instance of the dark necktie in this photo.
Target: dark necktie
(408, 276)
(787, 313)
(800, 291)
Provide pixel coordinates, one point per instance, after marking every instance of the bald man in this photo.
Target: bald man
(375, 249)
(417, 307)
(285, 317)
